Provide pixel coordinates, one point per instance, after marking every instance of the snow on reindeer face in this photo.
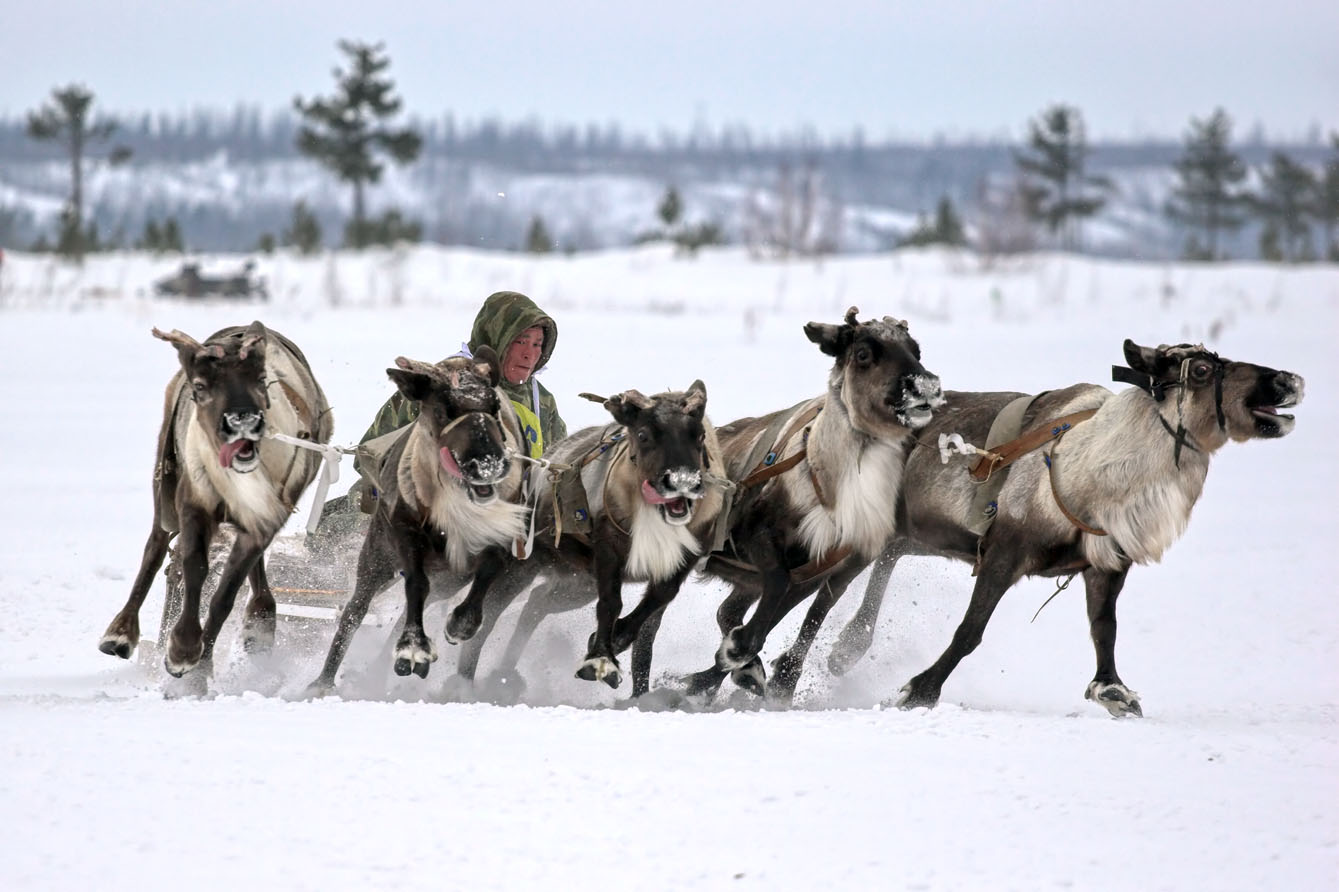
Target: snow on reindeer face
(460, 410)
(882, 383)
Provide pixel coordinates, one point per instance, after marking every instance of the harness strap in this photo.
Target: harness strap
(769, 467)
(1008, 453)
(1059, 503)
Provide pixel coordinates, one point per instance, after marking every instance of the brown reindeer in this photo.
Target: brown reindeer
(1100, 495)
(652, 502)
(215, 465)
(449, 504)
(817, 485)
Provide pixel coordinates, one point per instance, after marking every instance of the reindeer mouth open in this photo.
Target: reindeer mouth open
(676, 509)
(920, 395)
(481, 485)
(240, 454)
(1269, 421)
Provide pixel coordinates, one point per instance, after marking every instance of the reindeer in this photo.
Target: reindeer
(449, 503)
(817, 486)
(652, 499)
(216, 464)
(1105, 493)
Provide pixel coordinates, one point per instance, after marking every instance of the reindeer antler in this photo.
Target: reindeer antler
(183, 341)
(422, 368)
(851, 316)
(177, 338)
(900, 323)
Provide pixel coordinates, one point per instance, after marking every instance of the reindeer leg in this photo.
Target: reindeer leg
(601, 663)
(246, 554)
(414, 652)
(1001, 567)
(261, 613)
(786, 669)
(1106, 689)
(184, 645)
(729, 615)
(122, 633)
(642, 648)
(856, 638)
(514, 580)
(376, 571)
(560, 592)
(469, 613)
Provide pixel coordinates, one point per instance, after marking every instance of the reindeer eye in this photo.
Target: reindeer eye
(862, 355)
(641, 436)
(198, 386)
(1200, 371)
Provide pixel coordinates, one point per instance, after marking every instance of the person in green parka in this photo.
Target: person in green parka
(524, 336)
(519, 332)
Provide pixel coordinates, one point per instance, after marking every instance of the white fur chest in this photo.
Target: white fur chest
(252, 499)
(658, 549)
(469, 528)
(864, 501)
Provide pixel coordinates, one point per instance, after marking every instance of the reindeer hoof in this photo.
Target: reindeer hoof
(414, 654)
(600, 669)
(258, 641)
(916, 693)
(1116, 698)
(708, 682)
(851, 647)
(462, 626)
(751, 677)
(116, 646)
(733, 653)
(180, 658)
(317, 690)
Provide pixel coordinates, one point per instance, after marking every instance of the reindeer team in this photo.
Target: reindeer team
(791, 504)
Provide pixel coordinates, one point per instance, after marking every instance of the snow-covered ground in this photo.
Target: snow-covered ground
(1013, 782)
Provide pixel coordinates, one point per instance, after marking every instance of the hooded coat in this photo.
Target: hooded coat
(502, 318)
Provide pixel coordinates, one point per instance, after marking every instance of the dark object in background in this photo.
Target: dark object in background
(188, 282)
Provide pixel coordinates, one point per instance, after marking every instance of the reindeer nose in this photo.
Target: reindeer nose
(245, 422)
(682, 481)
(924, 385)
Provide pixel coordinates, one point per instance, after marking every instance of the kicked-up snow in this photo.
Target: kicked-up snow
(536, 779)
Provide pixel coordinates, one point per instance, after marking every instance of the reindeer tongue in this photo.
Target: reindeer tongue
(652, 497)
(449, 463)
(229, 451)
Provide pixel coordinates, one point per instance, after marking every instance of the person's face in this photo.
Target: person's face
(522, 354)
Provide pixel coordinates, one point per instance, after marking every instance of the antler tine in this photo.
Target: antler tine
(177, 338)
(414, 365)
(248, 343)
(893, 320)
(851, 316)
(636, 398)
(695, 401)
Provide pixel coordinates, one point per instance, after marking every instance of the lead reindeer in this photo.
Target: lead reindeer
(216, 464)
(1103, 494)
(817, 483)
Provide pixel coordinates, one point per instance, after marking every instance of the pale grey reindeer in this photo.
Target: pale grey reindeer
(1099, 496)
(216, 464)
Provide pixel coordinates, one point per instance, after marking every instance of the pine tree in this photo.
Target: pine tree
(670, 208)
(537, 239)
(1327, 201)
(1283, 205)
(1057, 188)
(945, 230)
(1207, 196)
(346, 131)
(304, 231)
(67, 120)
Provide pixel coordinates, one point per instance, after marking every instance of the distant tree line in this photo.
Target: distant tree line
(796, 186)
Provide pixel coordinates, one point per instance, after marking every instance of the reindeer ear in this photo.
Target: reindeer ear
(412, 383)
(831, 339)
(695, 401)
(626, 406)
(487, 364)
(1143, 359)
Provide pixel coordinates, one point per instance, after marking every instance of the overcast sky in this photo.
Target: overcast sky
(895, 69)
